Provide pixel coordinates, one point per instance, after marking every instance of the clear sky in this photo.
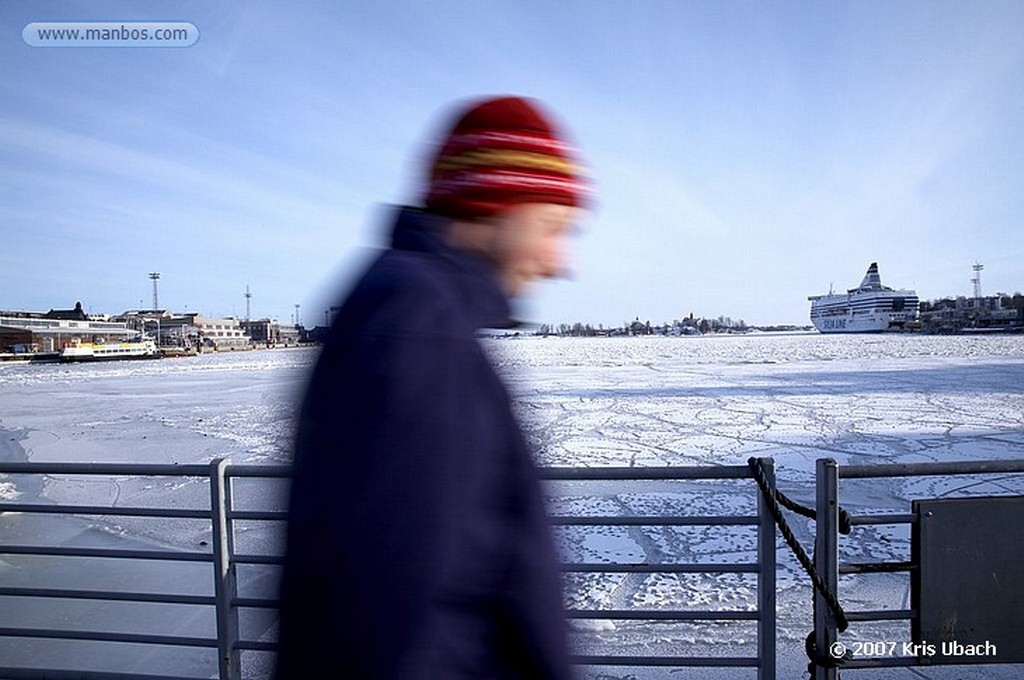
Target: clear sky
(745, 154)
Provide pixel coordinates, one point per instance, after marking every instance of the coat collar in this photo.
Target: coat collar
(416, 230)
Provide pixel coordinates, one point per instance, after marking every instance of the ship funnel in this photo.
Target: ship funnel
(872, 280)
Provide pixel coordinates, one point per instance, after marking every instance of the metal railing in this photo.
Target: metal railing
(225, 602)
(830, 567)
(764, 567)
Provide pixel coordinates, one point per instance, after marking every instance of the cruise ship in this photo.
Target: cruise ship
(869, 308)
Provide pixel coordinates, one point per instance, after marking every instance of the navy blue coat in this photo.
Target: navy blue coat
(418, 545)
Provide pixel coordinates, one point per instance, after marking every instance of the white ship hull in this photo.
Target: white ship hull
(88, 351)
(850, 322)
(871, 308)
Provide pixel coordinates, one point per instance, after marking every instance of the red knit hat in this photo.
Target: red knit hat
(500, 153)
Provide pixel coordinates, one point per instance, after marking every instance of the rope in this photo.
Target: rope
(774, 503)
(785, 501)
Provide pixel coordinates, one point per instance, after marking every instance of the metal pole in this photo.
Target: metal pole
(155, 276)
(826, 561)
(225, 579)
(766, 580)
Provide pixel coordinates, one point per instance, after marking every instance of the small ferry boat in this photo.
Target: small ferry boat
(869, 308)
(135, 348)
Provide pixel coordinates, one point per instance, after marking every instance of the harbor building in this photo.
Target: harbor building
(49, 332)
(44, 335)
(189, 329)
(992, 313)
(220, 333)
(269, 333)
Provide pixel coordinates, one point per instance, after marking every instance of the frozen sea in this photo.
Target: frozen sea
(589, 402)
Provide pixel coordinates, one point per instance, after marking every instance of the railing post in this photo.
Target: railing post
(225, 585)
(766, 579)
(826, 561)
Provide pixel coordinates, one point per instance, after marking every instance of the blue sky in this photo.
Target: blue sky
(745, 154)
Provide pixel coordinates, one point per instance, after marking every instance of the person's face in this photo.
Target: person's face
(531, 242)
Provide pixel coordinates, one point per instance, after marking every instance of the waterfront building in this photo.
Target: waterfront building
(991, 313)
(269, 333)
(190, 330)
(220, 333)
(23, 332)
(169, 329)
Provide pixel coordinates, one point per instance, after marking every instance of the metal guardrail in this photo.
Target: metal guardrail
(829, 566)
(764, 567)
(222, 557)
(224, 560)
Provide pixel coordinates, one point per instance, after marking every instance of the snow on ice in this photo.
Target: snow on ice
(594, 402)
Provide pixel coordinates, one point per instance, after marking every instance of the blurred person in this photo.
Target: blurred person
(418, 544)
